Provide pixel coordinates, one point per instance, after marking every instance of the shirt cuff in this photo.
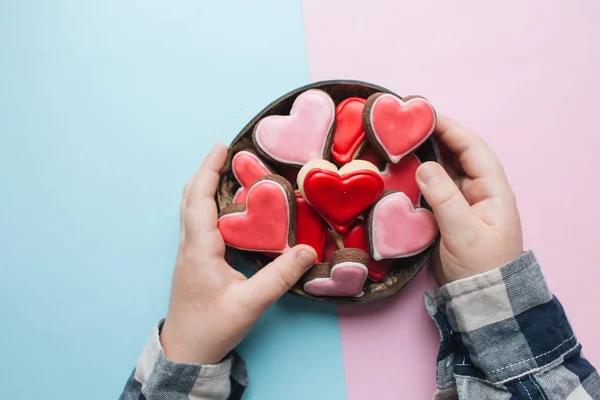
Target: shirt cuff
(159, 375)
(499, 325)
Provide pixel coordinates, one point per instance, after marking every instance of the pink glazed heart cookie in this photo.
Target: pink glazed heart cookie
(247, 169)
(395, 229)
(401, 177)
(305, 135)
(346, 278)
(397, 126)
(266, 222)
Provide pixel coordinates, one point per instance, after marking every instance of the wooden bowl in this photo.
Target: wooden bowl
(403, 270)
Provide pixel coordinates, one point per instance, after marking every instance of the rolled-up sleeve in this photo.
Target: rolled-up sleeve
(157, 377)
(505, 336)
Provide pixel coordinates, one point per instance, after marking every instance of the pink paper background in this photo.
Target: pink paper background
(524, 75)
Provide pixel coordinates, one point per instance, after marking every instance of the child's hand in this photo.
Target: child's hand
(213, 306)
(474, 206)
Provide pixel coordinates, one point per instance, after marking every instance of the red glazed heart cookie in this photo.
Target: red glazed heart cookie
(397, 126)
(349, 136)
(371, 155)
(266, 222)
(356, 238)
(340, 196)
(310, 227)
(247, 169)
(401, 177)
(347, 276)
(395, 229)
(304, 135)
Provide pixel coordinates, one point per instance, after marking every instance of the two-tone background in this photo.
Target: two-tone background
(107, 108)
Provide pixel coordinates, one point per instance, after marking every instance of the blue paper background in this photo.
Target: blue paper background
(106, 110)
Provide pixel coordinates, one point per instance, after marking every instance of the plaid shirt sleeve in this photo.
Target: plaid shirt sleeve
(505, 336)
(157, 377)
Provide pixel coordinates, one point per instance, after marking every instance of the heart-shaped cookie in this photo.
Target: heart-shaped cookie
(401, 177)
(304, 135)
(356, 238)
(347, 276)
(310, 227)
(397, 126)
(266, 222)
(247, 169)
(395, 229)
(340, 196)
(371, 155)
(349, 136)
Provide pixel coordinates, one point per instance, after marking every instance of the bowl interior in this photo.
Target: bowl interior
(404, 269)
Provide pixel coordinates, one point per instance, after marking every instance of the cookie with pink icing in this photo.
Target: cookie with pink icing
(346, 278)
(395, 126)
(247, 169)
(266, 221)
(304, 135)
(396, 229)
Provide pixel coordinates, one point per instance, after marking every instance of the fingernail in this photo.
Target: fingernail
(428, 172)
(306, 257)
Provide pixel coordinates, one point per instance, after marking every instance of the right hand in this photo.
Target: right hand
(473, 203)
(212, 305)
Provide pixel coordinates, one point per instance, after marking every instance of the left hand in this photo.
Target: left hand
(212, 305)
(473, 204)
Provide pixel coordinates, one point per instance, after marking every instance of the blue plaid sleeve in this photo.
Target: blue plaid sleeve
(505, 336)
(157, 377)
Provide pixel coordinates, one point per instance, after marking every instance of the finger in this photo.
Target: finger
(474, 155)
(201, 209)
(275, 279)
(454, 174)
(450, 159)
(182, 209)
(206, 180)
(451, 209)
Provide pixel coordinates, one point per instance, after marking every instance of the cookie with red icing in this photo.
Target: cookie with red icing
(340, 196)
(247, 169)
(311, 229)
(304, 135)
(349, 136)
(356, 237)
(347, 275)
(266, 222)
(371, 155)
(396, 229)
(401, 177)
(396, 127)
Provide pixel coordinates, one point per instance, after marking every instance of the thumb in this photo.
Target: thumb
(277, 277)
(452, 211)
